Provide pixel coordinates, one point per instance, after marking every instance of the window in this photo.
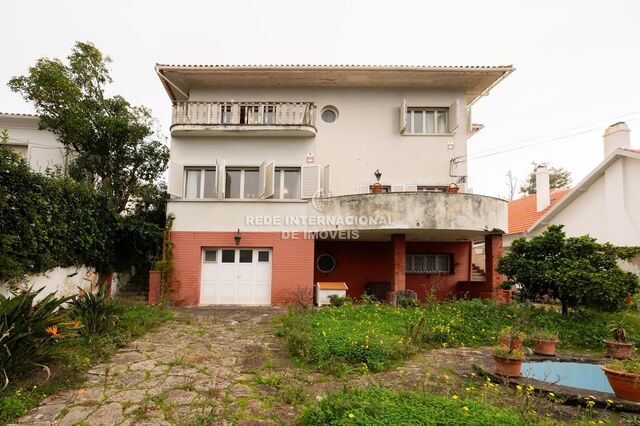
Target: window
(242, 183)
(431, 188)
(210, 255)
(329, 114)
(429, 264)
(246, 256)
(326, 263)
(263, 256)
(427, 120)
(226, 113)
(200, 183)
(287, 184)
(228, 256)
(269, 114)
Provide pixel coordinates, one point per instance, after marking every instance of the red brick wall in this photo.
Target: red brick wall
(398, 245)
(443, 286)
(360, 261)
(493, 250)
(292, 262)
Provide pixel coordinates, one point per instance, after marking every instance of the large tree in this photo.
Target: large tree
(558, 178)
(578, 271)
(114, 144)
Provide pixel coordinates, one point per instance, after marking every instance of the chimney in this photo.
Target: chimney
(543, 192)
(616, 136)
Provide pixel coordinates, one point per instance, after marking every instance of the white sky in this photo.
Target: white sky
(578, 61)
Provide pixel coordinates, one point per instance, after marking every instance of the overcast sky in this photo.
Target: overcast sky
(578, 61)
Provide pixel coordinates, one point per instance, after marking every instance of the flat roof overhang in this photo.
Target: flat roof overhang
(476, 81)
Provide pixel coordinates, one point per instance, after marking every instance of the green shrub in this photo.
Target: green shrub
(94, 312)
(378, 406)
(408, 303)
(29, 332)
(338, 301)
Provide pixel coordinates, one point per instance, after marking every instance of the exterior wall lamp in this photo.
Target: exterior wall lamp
(377, 174)
(237, 237)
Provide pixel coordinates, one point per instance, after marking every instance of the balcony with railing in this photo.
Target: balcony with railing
(243, 119)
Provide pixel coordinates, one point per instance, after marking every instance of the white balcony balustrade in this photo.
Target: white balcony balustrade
(243, 118)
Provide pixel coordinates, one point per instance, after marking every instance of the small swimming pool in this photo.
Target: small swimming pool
(574, 374)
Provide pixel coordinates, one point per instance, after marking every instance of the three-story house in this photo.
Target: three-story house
(284, 176)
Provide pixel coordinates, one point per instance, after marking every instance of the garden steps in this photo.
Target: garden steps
(137, 288)
(477, 273)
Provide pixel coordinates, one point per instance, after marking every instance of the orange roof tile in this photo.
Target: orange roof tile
(332, 286)
(523, 214)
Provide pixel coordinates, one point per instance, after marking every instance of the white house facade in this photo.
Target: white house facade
(283, 176)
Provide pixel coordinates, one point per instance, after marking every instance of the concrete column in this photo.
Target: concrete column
(493, 252)
(398, 248)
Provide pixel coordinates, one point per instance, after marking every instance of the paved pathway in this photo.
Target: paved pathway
(197, 369)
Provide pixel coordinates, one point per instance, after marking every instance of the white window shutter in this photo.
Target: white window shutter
(403, 117)
(453, 115)
(362, 188)
(176, 179)
(221, 176)
(310, 180)
(326, 179)
(410, 188)
(397, 188)
(266, 174)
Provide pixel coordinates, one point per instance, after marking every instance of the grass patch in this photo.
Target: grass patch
(74, 356)
(376, 337)
(378, 406)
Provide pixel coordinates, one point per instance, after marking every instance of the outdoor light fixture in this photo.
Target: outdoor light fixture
(237, 238)
(377, 174)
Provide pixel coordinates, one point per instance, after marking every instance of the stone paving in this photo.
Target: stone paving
(225, 366)
(197, 369)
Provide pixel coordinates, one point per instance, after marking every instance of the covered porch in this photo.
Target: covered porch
(439, 269)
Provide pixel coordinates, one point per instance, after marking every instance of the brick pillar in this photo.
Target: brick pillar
(399, 261)
(154, 287)
(492, 252)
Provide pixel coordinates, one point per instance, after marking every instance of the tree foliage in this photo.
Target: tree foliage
(578, 271)
(114, 145)
(558, 178)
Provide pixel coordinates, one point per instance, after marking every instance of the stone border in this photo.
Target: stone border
(570, 395)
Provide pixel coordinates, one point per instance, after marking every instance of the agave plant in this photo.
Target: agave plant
(29, 332)
(618, 331)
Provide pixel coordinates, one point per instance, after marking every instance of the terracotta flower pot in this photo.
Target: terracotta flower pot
(619, 350)
(508, 367)
(545, 347)
(625, 385)
(516, 343)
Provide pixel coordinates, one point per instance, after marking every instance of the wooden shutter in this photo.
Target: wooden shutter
(326, 180)
(176, 179)
(221, 178)
(453, 115)
(266, 174)
(397, 188)
(403, 117)
(310, 180)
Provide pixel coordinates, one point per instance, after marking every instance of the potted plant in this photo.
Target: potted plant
(624, 378)
(508, 361)
(511, 338)
(544, 342)
(619, 347)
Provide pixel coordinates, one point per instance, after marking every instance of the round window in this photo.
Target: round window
(329, 114)
(326, 263)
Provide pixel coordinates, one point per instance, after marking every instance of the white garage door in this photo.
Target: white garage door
(232, 276)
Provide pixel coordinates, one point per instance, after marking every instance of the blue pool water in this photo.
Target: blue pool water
(574, 374)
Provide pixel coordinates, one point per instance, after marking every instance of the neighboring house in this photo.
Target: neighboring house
(40, 148)
(284, 176)
(605, 204)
